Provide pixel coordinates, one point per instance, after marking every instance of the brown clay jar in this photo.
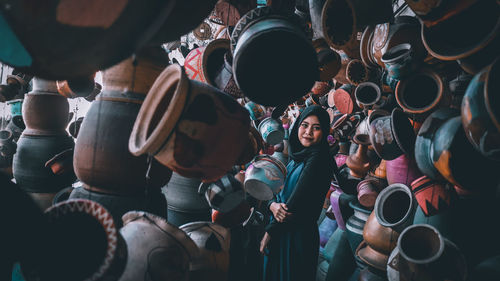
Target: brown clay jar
(359, 163)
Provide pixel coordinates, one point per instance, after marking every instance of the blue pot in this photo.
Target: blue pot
(398, 61)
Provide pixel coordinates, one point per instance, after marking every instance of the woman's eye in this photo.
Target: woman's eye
(303, 125)
(317, 128)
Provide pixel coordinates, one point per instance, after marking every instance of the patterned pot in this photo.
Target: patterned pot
(157, 249)
(432, 197)
(213, 242)
(367, 95)
(273, 49)
(398, 61)
(223, 195)
(203, 63)
(185, 134)
(271, 130)
(395, 207)
(355, 225)
(264, 177)
(402, 170)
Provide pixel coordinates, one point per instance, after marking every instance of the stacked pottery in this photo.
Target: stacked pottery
(265, 177)
(223, 195)
(213, 241)
(359, 163)
(355, 225)
(46, 115)
(157, 250)
(187, 125)
(265, 70)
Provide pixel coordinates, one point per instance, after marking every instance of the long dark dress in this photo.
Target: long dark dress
(294, 245)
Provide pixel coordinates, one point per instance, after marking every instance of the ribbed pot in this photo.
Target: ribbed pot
(264, 177)
(367, 95)
(402, 170)
(97, 252)
(480, 112)
(213, 243)
(223, 195)
(203, 63)
(399, 61)
(355, 225)
(157, 250)
(395, 207)
(272, 49)
(181, 123)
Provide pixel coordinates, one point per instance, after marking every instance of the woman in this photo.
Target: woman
(291, 241)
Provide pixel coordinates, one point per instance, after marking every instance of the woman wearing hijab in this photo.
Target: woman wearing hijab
(291, 241)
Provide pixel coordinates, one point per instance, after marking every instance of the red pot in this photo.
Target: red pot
(432, 196)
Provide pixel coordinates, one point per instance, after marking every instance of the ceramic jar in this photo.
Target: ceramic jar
(264, 177)
(157, 249)
(359, 163)
(256, 111)
(367, 95)
(271, 131)
(203, 63)
(480, 112)
(344, 99)
(213, 242)
(223, 195)
(395, 207)
(355, 225)
(329, 60)
(398, 61)
(402, 170)
(367, 193)
(283, 73)
(16, 107)
(433, 197)
(181, 123)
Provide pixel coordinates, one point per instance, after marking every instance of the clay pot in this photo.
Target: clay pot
(480, 114)
(329, 60)
(167, 130)
(392, 136)
(337, 201)
(379, 238)
(342, 19)
(79, 88)
(225, 14)
(7, 148)
(367, 193)
(271, 131)
(381, 170)
(255, 110)
(203, 63)
(432, 13)
(223, 195)
(264, 177)
(284, 73)
(471, 37)
(398, 61)
(402, 170)
(345, 126)
(355, 225)
(17, 85)
(356, 72)
(16, 126)
(16, 107)
(224, 78)
(157, 249)
(367, 95)
(344, 99)
(423, 254)
(93, 33)
(213, 243)
(432, 197)
(359, 163)
(395, 207)
(100, 253)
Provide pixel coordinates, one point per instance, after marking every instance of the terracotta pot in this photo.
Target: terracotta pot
(367, 95)
(264, 177)
(395, 207)
(157, 249)
(100, 253)
(342, 19)
(92, 35)
(167, 130)
(432, 197)
(370, 257)
(223, 195)
(471, 37)
(203, 63)
(379, 238)
(381, 170)
(213, 243)
(79, 88)
(402, 170)
(284, 73)
(329, 60)
(359, 163)
(344, 99)
(356, 72)
(367, 193)
(480, 114)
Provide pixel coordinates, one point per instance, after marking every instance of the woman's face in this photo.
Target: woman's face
(310, 131)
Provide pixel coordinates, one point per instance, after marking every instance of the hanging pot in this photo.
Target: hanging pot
(395, 207)
(367, 95)
(271, 130)
(223, 195)
(264, 177)
(157, 249)
(256, 111)
(98, 251)
(432, 197)
(471, 37)
(344, 99)
(79, 88)
(202, 64)
(402, 170)
(329, 60)
(480, 112)
(272, 49)
(342, 19)
(359, 163)
(213, 243)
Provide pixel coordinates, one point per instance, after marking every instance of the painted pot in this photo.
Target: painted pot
(223, 195)
(271, 130)
(355, 225)
(367, 193)
(398, 61)
(367, 95)
(344, 99)
(471, 37)
(157, 249)
(432, 197)
(480, 112)
(329, 60)
(423, 254)
(185, 134)
(16, 107)
(359, 163)
(425, 138)
(395, 207)
(284, 73)
(392, 136)
(100, 253)
(345, 126)
(402, 170)
(213, 242)
(264, 177)
(256, 111)
(224, 78)
(203, 63)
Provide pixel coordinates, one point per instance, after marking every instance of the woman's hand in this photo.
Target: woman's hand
(280, 211)
(263, 243)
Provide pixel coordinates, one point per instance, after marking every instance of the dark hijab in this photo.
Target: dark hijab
(296, 150)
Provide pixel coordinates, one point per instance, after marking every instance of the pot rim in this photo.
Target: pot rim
(363, 247)
(371, 85)
(140, 141)
(436, 256)
(402, 84)
(404, 47)
(325, 27)
(386, 192)
(365, 45)
(217, 44)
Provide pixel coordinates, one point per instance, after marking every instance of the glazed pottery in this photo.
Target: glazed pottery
(213, 241)
(367, 193)
(156, 249)
(256, 111)
(392, 136)
(480, 112)
(223, 195)
(432, 197)
(425, 138)
(264, 177)
(339, 202)
(398, 61)
(283, 73)
(395, 207)
(100, 253)
(181, 123)
(355, 225)
(402, 170)
(202, 64)
(356, 72)
(471, 37)
(92, 32)
(271, 130)
(359, 163)
(367, 95)
(423, 254)
(344, 99)
(329, 60)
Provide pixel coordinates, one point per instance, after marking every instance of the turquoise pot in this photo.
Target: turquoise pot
(16, 107)
(355, 225)
(338, 252)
